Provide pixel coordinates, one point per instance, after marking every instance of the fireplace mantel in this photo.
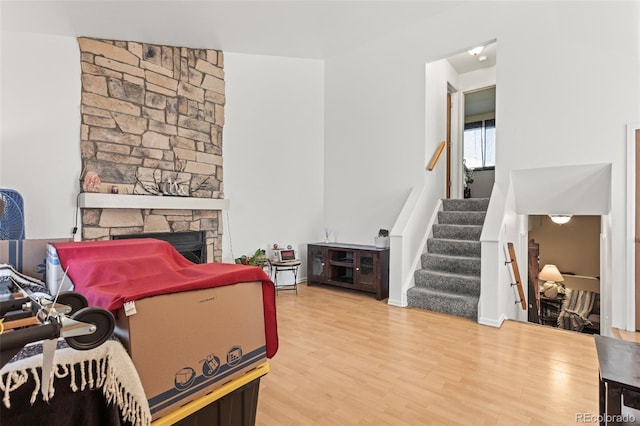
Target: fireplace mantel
(90, 200)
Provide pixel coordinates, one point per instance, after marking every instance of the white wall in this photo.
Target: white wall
(563, 88)
(40, 129)
(413, 223)
(482, 183)
(586, 102)
(273, 152)
(438, 76)
(375, 138)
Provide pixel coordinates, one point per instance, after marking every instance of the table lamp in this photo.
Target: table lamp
(552, 276)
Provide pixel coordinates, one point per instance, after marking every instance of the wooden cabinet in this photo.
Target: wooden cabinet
(354, 266)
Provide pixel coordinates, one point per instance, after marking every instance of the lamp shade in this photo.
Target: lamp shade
(550, 273)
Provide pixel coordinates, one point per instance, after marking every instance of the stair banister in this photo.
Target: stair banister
(408, 238)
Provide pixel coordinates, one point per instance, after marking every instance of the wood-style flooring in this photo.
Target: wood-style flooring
(348, 359)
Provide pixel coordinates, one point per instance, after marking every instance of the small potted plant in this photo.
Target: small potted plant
(468, 179)
(257, 259)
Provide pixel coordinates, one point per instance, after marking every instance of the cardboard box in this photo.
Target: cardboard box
(186, 344)
(27, 256)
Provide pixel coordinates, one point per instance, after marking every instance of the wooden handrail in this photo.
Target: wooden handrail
(516, 275)
(436, 156)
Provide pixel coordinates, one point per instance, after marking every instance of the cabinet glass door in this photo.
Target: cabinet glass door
(367, 266)
(316, 262)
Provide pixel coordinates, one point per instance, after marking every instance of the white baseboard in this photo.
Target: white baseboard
(398, 303)
(492, 322)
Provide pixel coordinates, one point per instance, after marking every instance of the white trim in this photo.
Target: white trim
(491, 322)
(631, 233)
(88, 200)
(397, 303)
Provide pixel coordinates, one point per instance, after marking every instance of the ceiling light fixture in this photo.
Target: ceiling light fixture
(482, 58)
(475, 51)
(560, 218)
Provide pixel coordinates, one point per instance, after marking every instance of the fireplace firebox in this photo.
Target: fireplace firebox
(190, 244)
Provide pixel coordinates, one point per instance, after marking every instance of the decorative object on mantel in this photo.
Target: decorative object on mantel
(169, 186)
(91, 182)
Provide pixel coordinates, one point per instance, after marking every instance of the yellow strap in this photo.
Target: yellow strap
(227, 388)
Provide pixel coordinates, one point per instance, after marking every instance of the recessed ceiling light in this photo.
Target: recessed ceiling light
(475, 51)
(482, 58)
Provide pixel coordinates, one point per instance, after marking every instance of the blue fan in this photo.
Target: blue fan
(11, 215)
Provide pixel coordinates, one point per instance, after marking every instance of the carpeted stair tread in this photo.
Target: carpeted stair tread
(461, 305)
(457, 283)
(453, 247)
(454, 264)
(457, 232)
(461, 218)
(465, 204)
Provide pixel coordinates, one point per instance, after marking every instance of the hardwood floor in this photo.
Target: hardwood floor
(347, 359)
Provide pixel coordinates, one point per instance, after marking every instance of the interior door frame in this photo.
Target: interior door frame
(631, 293)
(448, 184)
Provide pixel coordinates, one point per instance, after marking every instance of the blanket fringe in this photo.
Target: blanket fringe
(103, 376)
(15, 379)
(115, 391)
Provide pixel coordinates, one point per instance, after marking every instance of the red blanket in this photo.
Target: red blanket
(110, 273)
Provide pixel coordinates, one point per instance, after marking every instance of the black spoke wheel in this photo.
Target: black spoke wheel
(73, 299)
(104, 322)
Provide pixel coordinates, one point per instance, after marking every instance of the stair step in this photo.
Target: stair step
(447, 282)
(465, 204)
(461, 217)
(461, 305)
(453, 247)
(454, 264)
(457, 232)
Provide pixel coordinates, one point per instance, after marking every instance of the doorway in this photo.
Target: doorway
(564, 273)
(637, 230)
(448, 141)
(479, 142)
(468, 70)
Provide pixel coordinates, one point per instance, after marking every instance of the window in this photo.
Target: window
(480, 144)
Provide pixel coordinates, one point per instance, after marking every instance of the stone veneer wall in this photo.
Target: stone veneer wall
(152, 113)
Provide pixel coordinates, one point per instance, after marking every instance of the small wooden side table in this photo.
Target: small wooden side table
(290, 265)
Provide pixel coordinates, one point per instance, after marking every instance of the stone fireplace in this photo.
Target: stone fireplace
(152, 119)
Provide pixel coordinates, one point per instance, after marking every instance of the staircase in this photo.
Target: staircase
(449, 281)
